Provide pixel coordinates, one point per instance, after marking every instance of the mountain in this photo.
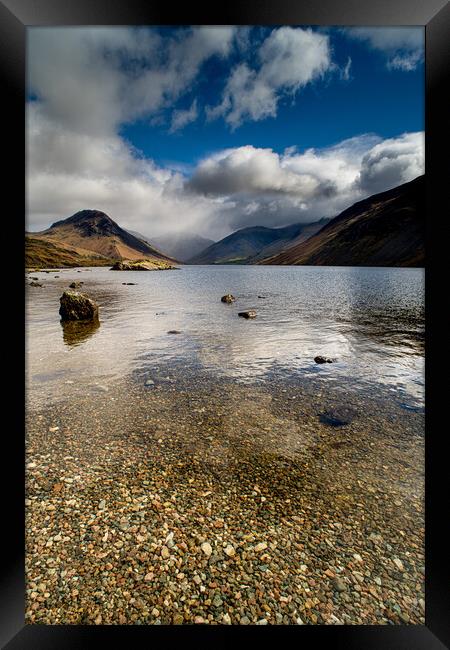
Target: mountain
(386, 229)
(87, 236)
(40, 253)
(247, 245)
(182, 246)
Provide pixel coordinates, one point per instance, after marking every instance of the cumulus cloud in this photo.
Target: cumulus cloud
(239, 187)
(91, 80)
(392, 162)
(88, 82)
(272, 189)
(248, 170)
(402, 46)
(68, 171)
(289, 58)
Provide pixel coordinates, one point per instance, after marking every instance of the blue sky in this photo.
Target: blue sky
(375, 99)
(213, 128)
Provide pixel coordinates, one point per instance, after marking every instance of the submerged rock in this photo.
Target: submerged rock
(250, 313)
(339, 585)
(77, 306)
(36, 284)
(320, 359)
(228, 298)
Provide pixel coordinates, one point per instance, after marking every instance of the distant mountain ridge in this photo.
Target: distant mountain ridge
(86, 236)
(386, 229)
(181, 246)
(247, 245)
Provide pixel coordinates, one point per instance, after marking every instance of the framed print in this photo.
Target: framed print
(250, 436)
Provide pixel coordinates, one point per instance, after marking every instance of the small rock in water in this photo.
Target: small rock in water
(173, 332)
(36, 284)
(75, 285)
(320, 359)
(250, 313)
(149, 382)
(228, 298)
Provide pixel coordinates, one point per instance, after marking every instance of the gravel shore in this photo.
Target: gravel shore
(224, 503)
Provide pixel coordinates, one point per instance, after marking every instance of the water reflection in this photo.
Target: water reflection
(76, 332)
(370, 320)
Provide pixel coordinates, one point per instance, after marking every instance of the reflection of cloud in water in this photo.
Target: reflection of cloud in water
(254, 353)
(369, 320)
(76, 332)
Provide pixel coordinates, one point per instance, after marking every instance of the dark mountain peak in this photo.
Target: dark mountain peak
(90, 222)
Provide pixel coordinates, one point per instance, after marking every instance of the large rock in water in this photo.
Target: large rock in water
(249, 313)
(141, 265)
(77, 306)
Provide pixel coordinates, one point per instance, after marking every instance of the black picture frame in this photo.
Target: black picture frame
(434, 15)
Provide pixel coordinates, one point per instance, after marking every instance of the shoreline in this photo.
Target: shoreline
(224, 503)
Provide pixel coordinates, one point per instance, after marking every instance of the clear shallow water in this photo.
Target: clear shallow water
(371, 320)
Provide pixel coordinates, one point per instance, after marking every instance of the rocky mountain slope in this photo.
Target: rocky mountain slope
(86, 237)
(386, 229)
(247, 245)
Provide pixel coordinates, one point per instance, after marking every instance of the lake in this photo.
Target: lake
(220, 474)
(370, 320)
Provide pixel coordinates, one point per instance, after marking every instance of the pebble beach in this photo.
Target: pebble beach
(194, 501)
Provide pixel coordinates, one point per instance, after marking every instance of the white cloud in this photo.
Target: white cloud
(288, 59)
(69, 171)
(345, 72)
(91, 80)
(182, 117)
(403, 46)
(273, 189)
(392, 162)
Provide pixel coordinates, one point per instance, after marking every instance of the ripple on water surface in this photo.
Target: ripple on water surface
(371, 320)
